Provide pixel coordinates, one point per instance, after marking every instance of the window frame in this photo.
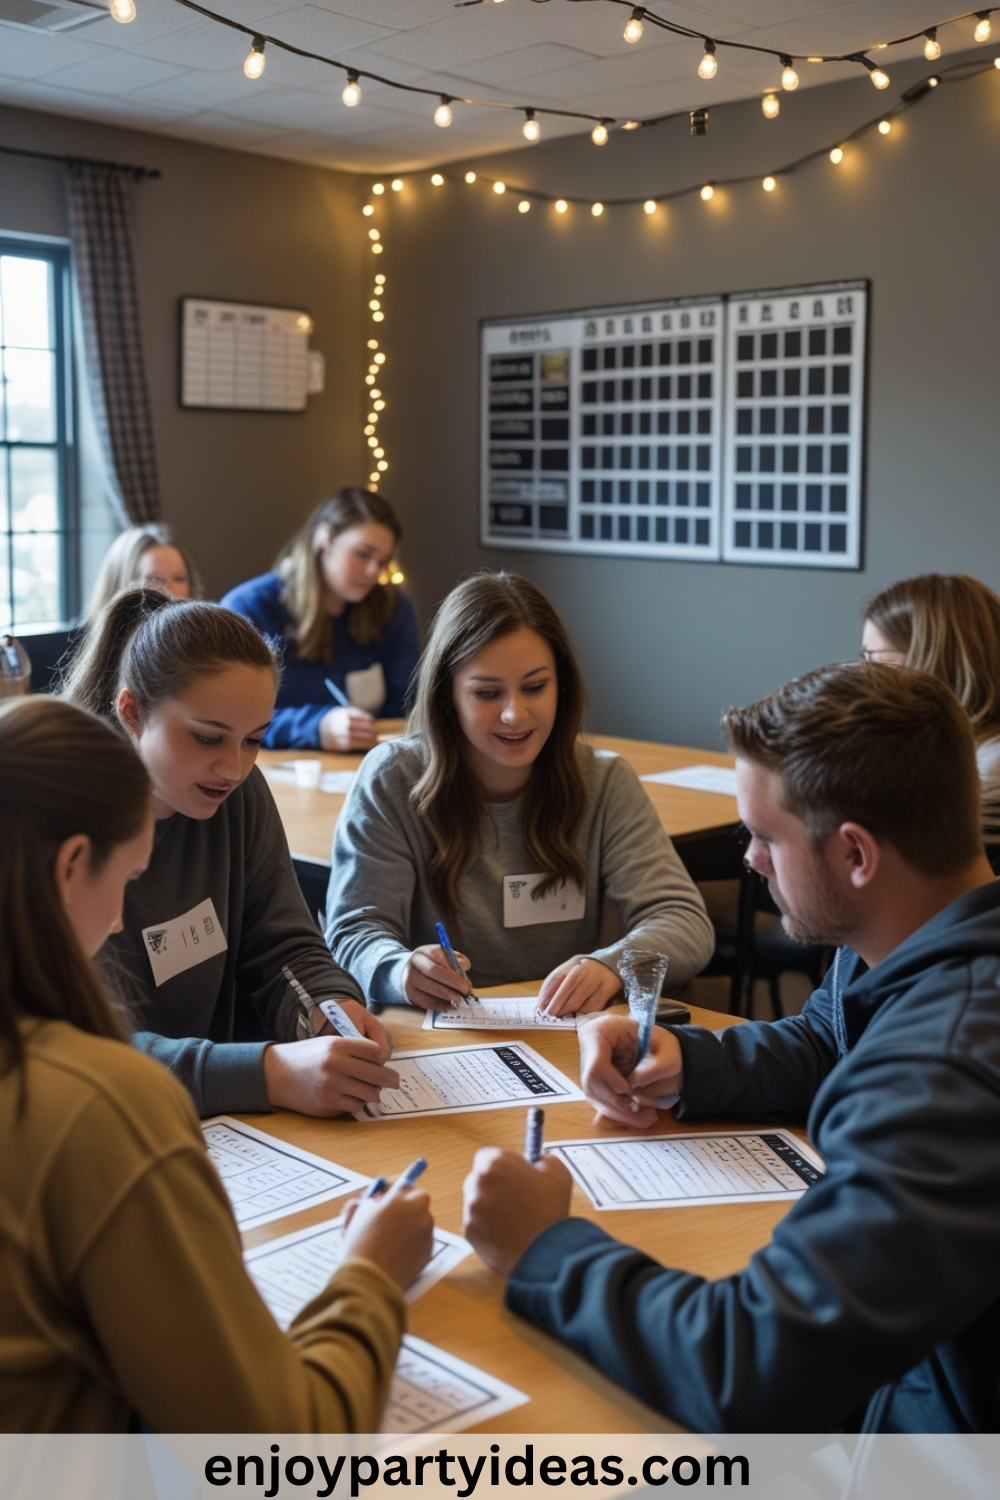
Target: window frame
(57, 254)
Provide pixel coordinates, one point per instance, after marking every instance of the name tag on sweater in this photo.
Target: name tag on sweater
(184, 942)
(567, 903)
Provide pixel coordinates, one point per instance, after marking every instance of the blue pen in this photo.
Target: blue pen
(412, 1172)
(378, 1186)
(534, 1126)
(336, 692)
(665, 1101)
(445, 942)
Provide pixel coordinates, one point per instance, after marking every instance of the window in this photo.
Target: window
(35, 530)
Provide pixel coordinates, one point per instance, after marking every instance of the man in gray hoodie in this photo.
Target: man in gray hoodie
(876, 1305)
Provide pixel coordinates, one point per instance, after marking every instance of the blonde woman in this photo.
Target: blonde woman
(949, 625)
(150, 557)
(123, 1293)
(336, 623)
(495, 818)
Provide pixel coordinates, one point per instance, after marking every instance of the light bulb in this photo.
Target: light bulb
(373, 344)
(880, 78)
(379, 405)
(599, 135)
(379, 452)
(630, 124)
(378, 188)
(375, 393)
(378, 317)
(373, 442)
(770, 106)
(373, 234)
(597, 209)
(470, 176)
(374, 304)
(523, 206)
(437, 179)
(381, 466)
(837, 155)
(996, 62)
(769, 184)
(377, 249)
(352, 91)
(649, 207)
(561, 205)
(397, 184)
(380, 359)
(372, 481)
(932, 83)
(254, 65)
(789, 78)
(368, 210)
(531, 130)
(369, 380)
(123, 11)
(499, 187)
(443, 115)
(633, 26)
(396, 577)
(369, 430)
(709, 65)
(708, 191)
(932, 47)
(983, 27)
(884, 126)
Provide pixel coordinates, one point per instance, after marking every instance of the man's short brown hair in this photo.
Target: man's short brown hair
(887, 747)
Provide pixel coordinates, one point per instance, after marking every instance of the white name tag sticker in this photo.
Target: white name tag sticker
(184, 942)
(567, 903)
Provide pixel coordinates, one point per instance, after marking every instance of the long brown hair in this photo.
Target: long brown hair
(483, 608)
(298, 566)
(154, 645)
(62, 772)
(120, 567)
(948, 625)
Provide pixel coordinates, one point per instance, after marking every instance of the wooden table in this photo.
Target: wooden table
(464, 1313)
(690, 817)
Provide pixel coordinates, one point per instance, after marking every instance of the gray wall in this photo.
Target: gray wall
(230, 225)
(668, 644)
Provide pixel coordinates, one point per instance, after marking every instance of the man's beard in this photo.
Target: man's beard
(826, 918)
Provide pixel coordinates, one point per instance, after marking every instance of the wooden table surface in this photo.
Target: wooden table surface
(464, 1313)
(309, 817)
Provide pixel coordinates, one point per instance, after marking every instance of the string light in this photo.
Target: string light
(880, 78)
(599, 134)
(789, 77)
(996, 62)
(523, 206)
(442, 115)
(373, 234)
(352, 91)
(123, 11)
(649, 207)
(597, 209)
(368, 210)
(708, 191)
(932, 47)
(531, 130)
(437, 179)
(254, 65)
(633, 26)
(499, 187)
(837, 155)
(378, 188)
(630, 124)
(397, 184)
(561, 205)
(770, 105)
(983, 29)
(884, 126)
(709, 65)
(769, 184)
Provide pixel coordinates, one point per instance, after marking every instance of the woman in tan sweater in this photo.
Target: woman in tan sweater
(123, 1294)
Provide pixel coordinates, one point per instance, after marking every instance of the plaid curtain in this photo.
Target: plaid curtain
(100, 219)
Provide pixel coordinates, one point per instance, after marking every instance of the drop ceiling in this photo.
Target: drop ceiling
(171, 71)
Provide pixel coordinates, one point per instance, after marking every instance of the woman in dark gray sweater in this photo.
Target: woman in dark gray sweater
(217, 915)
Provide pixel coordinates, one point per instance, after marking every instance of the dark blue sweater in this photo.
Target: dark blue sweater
(877, 1303)
(303, 699)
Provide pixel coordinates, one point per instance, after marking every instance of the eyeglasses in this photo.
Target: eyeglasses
(876, 653)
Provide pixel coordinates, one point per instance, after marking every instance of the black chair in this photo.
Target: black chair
(45, 652)
(761, 950)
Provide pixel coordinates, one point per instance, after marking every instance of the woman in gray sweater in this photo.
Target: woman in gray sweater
(493, 817)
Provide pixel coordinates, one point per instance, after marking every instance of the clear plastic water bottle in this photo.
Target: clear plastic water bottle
(15, 668)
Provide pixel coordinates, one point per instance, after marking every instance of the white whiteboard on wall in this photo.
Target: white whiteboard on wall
(239, 357)
(726, 428)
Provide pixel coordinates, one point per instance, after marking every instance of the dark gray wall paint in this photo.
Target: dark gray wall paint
(667, 645)
(248, 228)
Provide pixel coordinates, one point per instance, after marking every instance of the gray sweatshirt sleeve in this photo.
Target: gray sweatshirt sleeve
(661, 908)
(277, 928)
(373, 879)
(223, 1078)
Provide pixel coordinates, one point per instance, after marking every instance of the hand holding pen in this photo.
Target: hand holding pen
(345, 727)
(435, 975)
(392, 1226)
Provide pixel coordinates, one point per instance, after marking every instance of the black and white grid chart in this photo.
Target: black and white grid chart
(723, 428)
(237, 357)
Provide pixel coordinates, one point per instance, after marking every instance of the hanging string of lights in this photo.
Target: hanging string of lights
(125, 11)
(375, 373)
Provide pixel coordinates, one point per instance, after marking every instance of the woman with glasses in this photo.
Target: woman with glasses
(949, 625)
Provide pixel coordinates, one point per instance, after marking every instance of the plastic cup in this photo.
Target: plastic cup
(308, 773)
(642, 974)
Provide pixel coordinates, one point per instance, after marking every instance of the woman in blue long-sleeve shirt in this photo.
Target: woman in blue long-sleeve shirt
(336, 622)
